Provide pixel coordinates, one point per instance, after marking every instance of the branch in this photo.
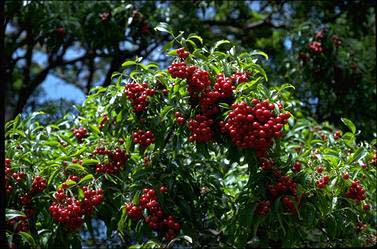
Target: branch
(91, 73)
(28, 55)
(27, 90)
(236, 24)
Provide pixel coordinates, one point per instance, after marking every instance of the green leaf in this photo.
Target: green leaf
(95, 129)
(163, 27)
(128, 63)
(218, 44)
(69, 183)
(86, 178)
(81, 193)
(255, 52)
(185, 237)
(136, 198)
(79, 151)
(257, 68)
(172, 52)
(76, 167)
(53, 175)
(88, 161)
(349, 124)
(12, 213)
(168, 45)
(151, 244)
(29, 239)
(359, 154)
(191, 36)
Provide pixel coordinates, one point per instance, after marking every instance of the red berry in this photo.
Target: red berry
(163, 189)
(345, 175)
(319, 169)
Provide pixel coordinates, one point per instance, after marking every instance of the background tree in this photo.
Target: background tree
(84, 43)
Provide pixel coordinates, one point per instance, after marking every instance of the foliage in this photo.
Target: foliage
(217, 188)
(340, 72)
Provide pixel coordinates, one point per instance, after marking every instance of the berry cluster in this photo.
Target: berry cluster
(337, 135)
(178, 70)
(20, 223)
(266, 164)
(263, 207)
(288, 203)
(356, 191)
(92, 198)
(198, 81)
(180, 119)
(8, 172)
(316, 47)
(321, 183)
(156, 218)
(319, 169)
(285, 185)
(25, 199)
(8, 186)
(296, 167)
(366, 206)
(80, 133)
(19, 176)
(115, 163)
(224, 86)
(138, 94)
(144, 138)
(70, 211)
(345, 175)
(39, 184)
(133, 211)
(208, 103)
(239, 77)
(360, 227)
(74, 178)
(200, 128)
(223, 90)
(182, 53)
(320, 34)
(286, 188)
(249, 127)
(254, 127)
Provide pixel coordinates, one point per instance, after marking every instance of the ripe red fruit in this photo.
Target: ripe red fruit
(201, 129)
(144, 138)
(363, 165)
(326, 179)
(366, 206)
(60, 31)
(182, 53)
(319, 169)
(296, 167)
(138, 94)
(320, 184)
(104, 16)
(346, 175)
(316, 47)
(163, 189)
(181, 120)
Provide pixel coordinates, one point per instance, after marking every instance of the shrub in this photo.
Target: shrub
(199, 154)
